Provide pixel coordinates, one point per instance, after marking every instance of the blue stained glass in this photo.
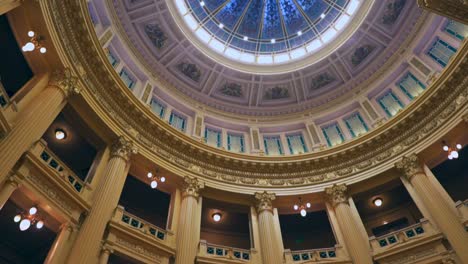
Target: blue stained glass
(252, 19)
(293, 19)
(232, 13)
(213, 4)
(271, 21)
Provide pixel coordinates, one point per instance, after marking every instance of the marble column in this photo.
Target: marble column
(86, 248)
(105, 254)
(188, 235)
(453, 9)
(436, 204)
(269, 244)
(8, 5)
(34, 120)
(61, 246)
(357, 246)
(7, 189)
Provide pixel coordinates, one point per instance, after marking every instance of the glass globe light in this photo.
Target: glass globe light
(445, 148)
(450, 157)
(303, 212)
(28, 47)
(154, 184)
(217, 217)
(32, 210)
(31, 34)
(308, 205)
(454, 154)
(459, 146)
(378, 202)
(60, 134)
(296, 207)
(43, 50)
(39, 224)
(149, 174)
(24, 224)
(163, 179)
(17, 218)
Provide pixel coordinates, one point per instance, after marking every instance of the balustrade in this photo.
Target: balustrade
(218, 251)
(330, 255)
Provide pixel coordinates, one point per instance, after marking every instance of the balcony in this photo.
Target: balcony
(420, 242)
(322, 255)
(139, 239)
(215, 254)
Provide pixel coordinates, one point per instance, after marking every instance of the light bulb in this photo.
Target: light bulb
(445, 148)
(60, 134)
(378, 202)
(28, 47)
(149, 175)
(308, 205)
(24, 224)
(459, 146)
(296, 207)
(39, 224)
(17, 218)
(154, 184)
(450, 157)
(454, 154)
(217, 217)
(32, 210)
(31, 34)
(303, 212)
(42, 50)
(163, 179)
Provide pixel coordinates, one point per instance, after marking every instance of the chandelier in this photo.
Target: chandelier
(27, 219)
(154, 180)
(452, 151)
(301, 207)
(34, 43)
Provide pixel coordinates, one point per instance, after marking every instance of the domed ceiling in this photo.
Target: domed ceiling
(155, 33)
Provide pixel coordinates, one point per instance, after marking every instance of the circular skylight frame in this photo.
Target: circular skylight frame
(305, 55)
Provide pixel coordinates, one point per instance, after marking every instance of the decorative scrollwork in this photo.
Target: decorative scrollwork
(264, 201)
(337, 194)
(410, 166)
(65, 81)
(123, 148)
(192, 187)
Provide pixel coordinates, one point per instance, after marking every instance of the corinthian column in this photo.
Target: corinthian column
(357, 246)
(34, 120)
(88, 243)
(436, 204)
(59, 250)
(269, 244)
(188, 230)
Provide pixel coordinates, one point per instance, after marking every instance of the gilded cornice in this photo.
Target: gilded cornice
(435, 111)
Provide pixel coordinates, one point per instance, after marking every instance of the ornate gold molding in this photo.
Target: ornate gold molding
(123, 148)
(337, 194)
(264, 201)
(454, 9)
(192, 187)
(410, 166)
(66, 81)
(159, 142)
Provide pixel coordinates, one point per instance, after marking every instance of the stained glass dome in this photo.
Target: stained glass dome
(266, 31)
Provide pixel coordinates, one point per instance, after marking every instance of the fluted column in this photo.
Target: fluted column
(34, 120)
(105, 254)
(187, 230)
(271, 251)
(8, 5)
(454, 9)
(10, 185)
(61, 246)
(357, 246)
(88, 243)
(436, 204)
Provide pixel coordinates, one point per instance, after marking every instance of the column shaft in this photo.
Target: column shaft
(59, 250)
(271, 253)
(7, 190)
(8, 5)
(104, 258)
(88, 243)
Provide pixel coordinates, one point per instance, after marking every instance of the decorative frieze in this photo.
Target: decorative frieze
(264, 201)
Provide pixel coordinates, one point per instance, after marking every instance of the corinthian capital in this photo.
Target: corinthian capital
(264, 201)
(410, 166)
(123, 148)
(192, 186)
(337, 194)
(65, 81)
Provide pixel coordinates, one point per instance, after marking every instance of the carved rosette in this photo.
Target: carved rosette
(65, 81)
(337, 194)
(123, 148)
(410, 166)
(264, 201)
(192, 187)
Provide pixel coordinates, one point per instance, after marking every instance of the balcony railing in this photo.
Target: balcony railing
(320, 254)
(141, 225)
(413, 232)
(218, 251)
(4, 98)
